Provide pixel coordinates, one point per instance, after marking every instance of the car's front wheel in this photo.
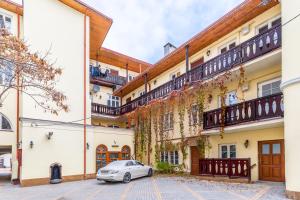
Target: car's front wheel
(127, 178)
(150, 172)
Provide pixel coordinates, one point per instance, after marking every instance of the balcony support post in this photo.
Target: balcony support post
(187, 62)
(126, 72)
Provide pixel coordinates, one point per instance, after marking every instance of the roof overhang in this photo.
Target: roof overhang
(11, 6)
(99, 23)
(120, 60)
(241, 14)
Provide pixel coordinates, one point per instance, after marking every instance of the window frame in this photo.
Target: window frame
(261, 84)
(5, 15)
(171, 157)
(167, 124)
(267, 22)
(111, 99)
(228, 150)
(227, 95)
(8, 121)
(226, 45)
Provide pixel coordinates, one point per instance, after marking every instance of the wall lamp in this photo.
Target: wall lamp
(87, 146)
(31, 144)
(246, 143)
(49, 135)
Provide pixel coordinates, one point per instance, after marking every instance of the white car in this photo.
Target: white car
(123, 170)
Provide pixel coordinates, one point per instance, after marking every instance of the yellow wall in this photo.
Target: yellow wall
(239, 138)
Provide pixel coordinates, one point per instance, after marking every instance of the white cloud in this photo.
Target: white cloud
(142, 27)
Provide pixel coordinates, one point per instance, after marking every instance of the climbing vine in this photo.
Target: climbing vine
(191, 101)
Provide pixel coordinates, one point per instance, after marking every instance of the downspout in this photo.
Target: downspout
(18, 112)
(84, 100)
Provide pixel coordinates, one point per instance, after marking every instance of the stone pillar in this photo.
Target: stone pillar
(291, 90)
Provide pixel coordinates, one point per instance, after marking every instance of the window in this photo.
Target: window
(174, 75)
(226, 47)
(5, 21)
(125, 153)
(231, 99)
(130, 77)
(171, 157)
(269, 87)
(168, 121)
(5, 124)
(113, 101)
(194, 115)
(6, 72)
(268, 25)
(227, 151)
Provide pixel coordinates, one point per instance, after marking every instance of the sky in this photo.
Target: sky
(142, 27)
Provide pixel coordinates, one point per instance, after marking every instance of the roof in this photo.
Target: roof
(99, 23)
(120, 60)
(241, 14)
(11, 6)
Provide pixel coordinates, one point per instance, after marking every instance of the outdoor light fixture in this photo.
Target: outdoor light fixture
(246, 143)
(208, 53)
(49, 135)
(87, 146)
(31, 144)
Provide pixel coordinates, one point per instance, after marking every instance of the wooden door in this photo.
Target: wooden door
(271, 160)
(195, 157)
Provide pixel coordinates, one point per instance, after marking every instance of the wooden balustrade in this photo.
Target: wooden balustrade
(105, 110)
(256, 109)
(113, 79)
(253, 48)
(231, 167)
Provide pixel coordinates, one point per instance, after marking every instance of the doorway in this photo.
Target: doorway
(271, 160)
(195, 158)
(5, 163)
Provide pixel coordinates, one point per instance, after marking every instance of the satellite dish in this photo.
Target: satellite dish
(96, 88)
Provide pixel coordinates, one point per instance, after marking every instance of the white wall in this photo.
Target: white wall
(51, 25)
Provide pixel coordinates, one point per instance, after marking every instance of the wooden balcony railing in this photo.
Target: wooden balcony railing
(248, 50)
(232, 167)
(113, 79)
(105, 110)
(253, 110)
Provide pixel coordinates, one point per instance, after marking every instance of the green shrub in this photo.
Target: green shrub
(164, 167)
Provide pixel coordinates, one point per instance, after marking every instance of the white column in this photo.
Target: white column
(291, 91)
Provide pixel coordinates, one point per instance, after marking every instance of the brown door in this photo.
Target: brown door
(271, 160)
(195, 157)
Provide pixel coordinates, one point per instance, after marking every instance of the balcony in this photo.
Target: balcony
(254, 110)
(246, 51)
(106, 79)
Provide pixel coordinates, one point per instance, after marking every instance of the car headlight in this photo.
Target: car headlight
(99, 172)
(114, 171)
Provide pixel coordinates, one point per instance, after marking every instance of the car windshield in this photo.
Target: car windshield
(116, 163)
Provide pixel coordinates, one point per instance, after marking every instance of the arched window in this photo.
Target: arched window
(125, 152)
(101, 156)
(4, 122)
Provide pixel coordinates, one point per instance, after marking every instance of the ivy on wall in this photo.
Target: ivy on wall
(197, 96)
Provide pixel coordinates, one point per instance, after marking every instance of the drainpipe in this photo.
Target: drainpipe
(18, 113)
(84, 100)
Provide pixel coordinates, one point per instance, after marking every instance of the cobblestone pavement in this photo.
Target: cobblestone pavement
(156, 188)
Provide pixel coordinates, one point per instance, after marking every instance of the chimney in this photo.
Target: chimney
(168, 48)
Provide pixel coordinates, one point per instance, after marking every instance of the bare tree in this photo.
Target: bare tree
(29, 73)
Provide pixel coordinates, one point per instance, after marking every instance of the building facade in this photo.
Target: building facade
(223, 103)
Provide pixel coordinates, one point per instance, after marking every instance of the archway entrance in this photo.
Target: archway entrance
(5, 163)
(104, 157)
